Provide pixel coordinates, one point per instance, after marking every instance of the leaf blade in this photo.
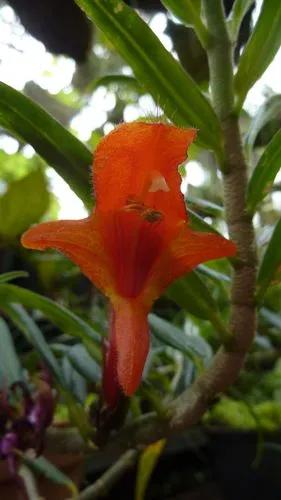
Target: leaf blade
(188, 12)
(58, 147)
(268, 111)
(155, 67)
(270, 264)
(66, 320)
(34, 336)
(43, 467)
(10, 367)
(191, 294)
(236, 16)
(190, 345)
(83, 363)
(260, 49)
(12, 275)
(147, 463)
(264, 173)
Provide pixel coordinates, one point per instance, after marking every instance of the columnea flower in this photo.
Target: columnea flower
(137, 239)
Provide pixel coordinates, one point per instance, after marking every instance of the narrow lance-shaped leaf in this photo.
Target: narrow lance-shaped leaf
(272, 317)
(236, 16)
(191, 294)
(188, 12)
(260, 49)
(155, 67)
(43, 467)
(146, 465)
(84, 363)
(270, 110)
(122, 81)
(10, 368)
(213, 274)
(67, 321)
(199, 224)
(192, 346)
(12, 275)
(58, 147)
(205, 206)
(76, 383)
(33, 334)
(269, 271)
(264, 173)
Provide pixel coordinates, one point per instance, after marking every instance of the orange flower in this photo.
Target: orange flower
(136, 241)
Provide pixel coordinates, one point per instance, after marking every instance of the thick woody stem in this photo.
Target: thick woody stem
(189, 407)
(234, 179)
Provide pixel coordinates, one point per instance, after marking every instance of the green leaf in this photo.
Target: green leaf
(188, 12)
(192, 346)
(43, 467)
(260, 49)
(59, 148)
(23, 204)
(205, 206)
(76, 384)
(267, 112)
(269, 272)
(84, 363)
(264, 174)
(191, 294)
(236, 16)
(124, 81)
(213, 274)
(146, 465)
(10, 367)
(77, 414)
(155, 67)
(272, 317)
(35, 337)
(12, 275)
(197, 223)
(66, 320)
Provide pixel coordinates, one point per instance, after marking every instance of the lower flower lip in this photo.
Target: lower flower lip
(129, 346)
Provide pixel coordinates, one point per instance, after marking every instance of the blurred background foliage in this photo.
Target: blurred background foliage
(75, 74)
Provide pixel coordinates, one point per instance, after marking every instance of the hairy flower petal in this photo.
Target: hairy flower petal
(136, 241)
(80, 240)
(140, 161)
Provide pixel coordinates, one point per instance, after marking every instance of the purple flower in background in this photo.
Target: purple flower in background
(24, 418)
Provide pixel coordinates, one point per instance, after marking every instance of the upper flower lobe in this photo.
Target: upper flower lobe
(137, 240)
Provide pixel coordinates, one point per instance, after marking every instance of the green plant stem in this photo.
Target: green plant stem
(219, 53)
(29, 482)
(103, 485)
